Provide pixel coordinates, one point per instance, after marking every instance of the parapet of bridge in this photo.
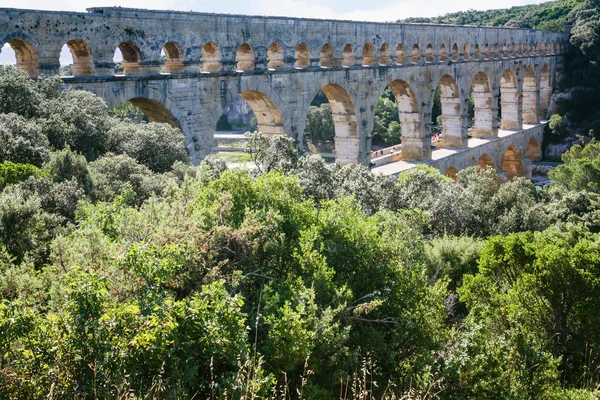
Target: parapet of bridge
(279, 64)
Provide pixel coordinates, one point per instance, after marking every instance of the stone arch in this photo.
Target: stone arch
(486, 52)
(429, 57)
(174, 53)
(268, 116)
(520, 49)
(505, 52)
(549, 48)
(534, 150)
(211, 57)
(530, 98)
(302, 56)
(155, 111)
(513, 49)
(83, 63)
(485, 124)
(531, 49)
(545, 89)
(275, 56)
(326, 58)
(410, 118)
(497, 53)
(455, 54)
(368, 54)
(26, 54)
(485, 161)
(348, 56)
(451, 172)
(345, 122)
(132, 57)
(443, 56)
(454, 131)
(385, 54)
(244, 58)
(511, 162)
(509, 96)
(477, 52)
(540, 49)
(466, 51)
(400, 54)
(415, 54)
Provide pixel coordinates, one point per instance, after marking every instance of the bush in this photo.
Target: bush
(157, 146)
(11, 173)
(22, 141)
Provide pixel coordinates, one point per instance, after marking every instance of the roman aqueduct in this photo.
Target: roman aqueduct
(279, 64)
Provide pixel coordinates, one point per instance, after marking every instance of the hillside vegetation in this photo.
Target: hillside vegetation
(549, 16)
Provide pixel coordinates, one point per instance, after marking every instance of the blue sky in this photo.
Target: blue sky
(360, 10)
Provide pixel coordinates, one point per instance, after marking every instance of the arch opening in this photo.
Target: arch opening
(545, 90)
(485, 161)
(455, 55)
(429, 57)
(348, 56)
(466, 51)
(174, 57)
(368, 54)
(534, 150)
(244, 58)
(400, 54)
(211, 57)
(326, 57)
(443, 53)
(509, 100)
(302, 56)
(451, 172)
(154, 111)
(486, 52)
(512, 162)
(530, 98)
(131, 56)
(345, 124)
(26, 56)
(275, 56)
(415, 55)
(453, 125)
(385, 54)
(484, 115)
(76, 59)
(268, 117)
(477, 52)
(386, 127)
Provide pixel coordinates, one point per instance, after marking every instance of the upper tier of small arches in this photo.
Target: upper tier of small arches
(174, 58)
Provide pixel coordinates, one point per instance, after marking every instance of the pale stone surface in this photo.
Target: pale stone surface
(279, 64)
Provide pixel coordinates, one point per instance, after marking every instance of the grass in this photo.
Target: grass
(233, 156)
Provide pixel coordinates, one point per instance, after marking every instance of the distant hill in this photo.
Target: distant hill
(550, 16)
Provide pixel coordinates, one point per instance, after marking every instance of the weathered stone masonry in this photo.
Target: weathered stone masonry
(279, 64)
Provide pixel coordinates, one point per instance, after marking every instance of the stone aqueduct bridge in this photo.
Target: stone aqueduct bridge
(278, 65)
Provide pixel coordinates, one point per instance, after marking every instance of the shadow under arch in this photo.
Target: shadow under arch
(26, 54)
(132, 57)
(155, 111)
(485, 161)
(268, 116)
(451, 172)
(511, 162)
(534, 150)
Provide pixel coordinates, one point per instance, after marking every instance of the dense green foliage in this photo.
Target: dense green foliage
(125, 273)
(550, 16)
